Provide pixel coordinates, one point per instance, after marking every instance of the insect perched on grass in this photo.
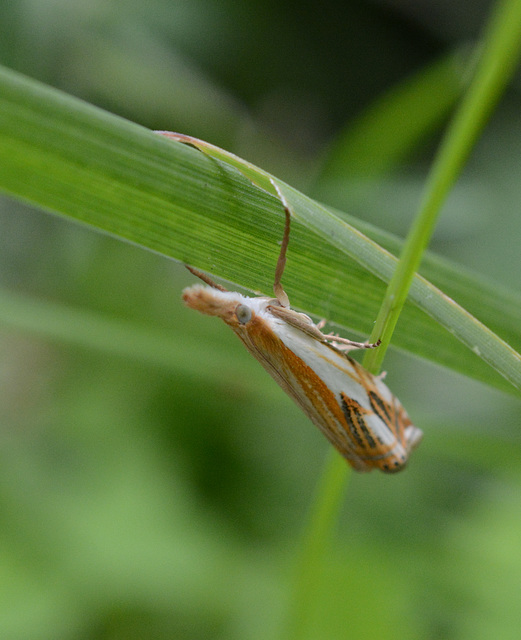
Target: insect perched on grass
(353, 408)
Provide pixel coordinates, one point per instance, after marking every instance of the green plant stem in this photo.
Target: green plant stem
(323, 515)
(500, 49)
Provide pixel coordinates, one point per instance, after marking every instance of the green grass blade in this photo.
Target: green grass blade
(89, 166)
(501, 47)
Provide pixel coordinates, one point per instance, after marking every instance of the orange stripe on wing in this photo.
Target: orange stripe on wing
(300, 382)
(341, 420)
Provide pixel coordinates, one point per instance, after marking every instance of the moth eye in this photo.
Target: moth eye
(243, 313)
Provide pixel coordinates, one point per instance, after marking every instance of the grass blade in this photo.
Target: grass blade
(89, 166)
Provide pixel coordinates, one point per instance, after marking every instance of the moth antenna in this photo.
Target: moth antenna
(278, 289)
(202, 276)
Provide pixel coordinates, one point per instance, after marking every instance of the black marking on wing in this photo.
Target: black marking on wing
(382, 409)
(350, 419)
(368, 435)
(353, 413)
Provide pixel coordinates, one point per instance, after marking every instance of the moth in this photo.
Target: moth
(354, 409)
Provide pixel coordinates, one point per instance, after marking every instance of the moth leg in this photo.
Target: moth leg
(340, 343)
(321, 324)
(344, 344)
(278, 289)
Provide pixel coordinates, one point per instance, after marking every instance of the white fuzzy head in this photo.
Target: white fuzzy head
(234, 308)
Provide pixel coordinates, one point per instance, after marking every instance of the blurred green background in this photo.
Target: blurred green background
(142, 500)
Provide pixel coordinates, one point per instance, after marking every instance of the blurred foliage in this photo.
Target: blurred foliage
(139, 501)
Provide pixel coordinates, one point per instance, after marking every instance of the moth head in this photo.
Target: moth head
(232, 307)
